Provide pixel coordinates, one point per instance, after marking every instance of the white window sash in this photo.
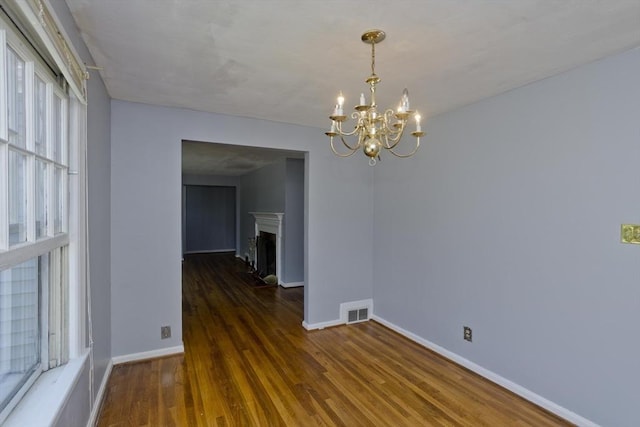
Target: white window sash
(26, 251)
(78, 260)
(4, 131)
(30, 144)
(4, 148)
(4, 194)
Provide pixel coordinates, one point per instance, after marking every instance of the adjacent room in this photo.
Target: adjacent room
(302, 213)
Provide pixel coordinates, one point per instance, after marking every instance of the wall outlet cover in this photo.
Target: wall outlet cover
(467, 334)
(165, 332)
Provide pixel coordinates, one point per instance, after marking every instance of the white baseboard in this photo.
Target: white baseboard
(97, 404)
(492, 376)
(292, 284)
(179, 349)
(322, 325)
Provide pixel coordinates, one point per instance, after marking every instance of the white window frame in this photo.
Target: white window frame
(73, 235)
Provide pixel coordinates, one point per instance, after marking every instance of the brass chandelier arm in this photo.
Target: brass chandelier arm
(395, 140)
(409, 154)
(356, 116)
(347, 145)
(342, 154)
(341, 133)
(395, 137)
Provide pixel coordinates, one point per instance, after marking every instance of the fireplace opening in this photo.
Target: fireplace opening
(266, 253)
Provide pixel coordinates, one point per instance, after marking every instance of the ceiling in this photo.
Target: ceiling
(286, 60)
(203, 158)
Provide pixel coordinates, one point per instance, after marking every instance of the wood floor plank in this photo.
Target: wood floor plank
(249, 362)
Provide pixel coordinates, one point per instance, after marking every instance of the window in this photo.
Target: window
(34, 212)
(20, 324)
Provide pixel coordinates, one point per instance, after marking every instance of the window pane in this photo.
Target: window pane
(40, 116)
(58, 155)
(17, 198)
(16, 98)
(58, 307)
(19, 325)
(59, 201)
(41, 199)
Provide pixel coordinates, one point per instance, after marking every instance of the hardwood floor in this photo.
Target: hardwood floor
(249, 362)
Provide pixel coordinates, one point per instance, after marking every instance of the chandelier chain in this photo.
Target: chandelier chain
(373, 59)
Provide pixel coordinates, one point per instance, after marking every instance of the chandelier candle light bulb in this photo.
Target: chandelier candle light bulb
(405, 100)
(374, 130)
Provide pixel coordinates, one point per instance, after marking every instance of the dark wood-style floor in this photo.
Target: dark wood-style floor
(249, 362)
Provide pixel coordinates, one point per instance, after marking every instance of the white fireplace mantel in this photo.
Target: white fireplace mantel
(271, 222)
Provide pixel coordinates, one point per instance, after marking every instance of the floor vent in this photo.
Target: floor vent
(356, 311)
(357, 315)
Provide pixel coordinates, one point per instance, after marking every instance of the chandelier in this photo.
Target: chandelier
(374, 130)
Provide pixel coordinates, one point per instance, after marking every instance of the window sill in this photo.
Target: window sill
(42, 404)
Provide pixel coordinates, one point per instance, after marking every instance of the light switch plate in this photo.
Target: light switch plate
(630, 233)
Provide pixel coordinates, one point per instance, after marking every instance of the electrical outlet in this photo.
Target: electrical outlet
(165, 332)
(467, 333)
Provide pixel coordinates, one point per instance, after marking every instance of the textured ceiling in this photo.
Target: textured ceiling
(286, 60)
(203, 158)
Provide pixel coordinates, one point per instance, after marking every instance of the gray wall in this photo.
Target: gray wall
(215, 180)
(278, 187)
(210, 218)
(293, 244)
(263, 190)
(146, 217)
(99, 174)
(508, 221)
